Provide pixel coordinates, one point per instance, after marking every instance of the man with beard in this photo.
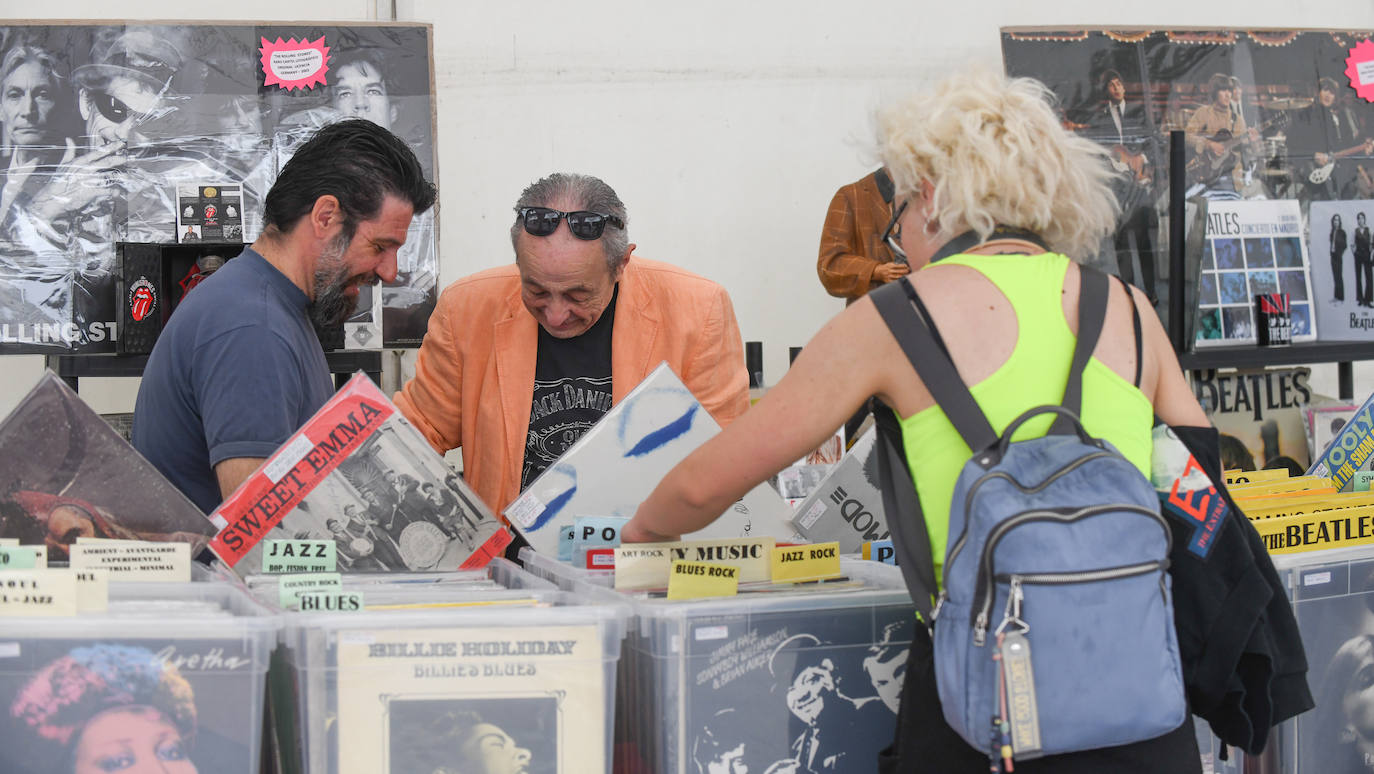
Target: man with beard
(239, 366)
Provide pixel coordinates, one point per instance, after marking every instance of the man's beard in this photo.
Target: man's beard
(332, 304)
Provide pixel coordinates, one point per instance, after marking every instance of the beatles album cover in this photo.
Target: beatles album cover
(1334, 605)
(797, 691)
(614, 466)
(847, 505)
(1252, 248)
(130, 704)
(359, 474)
(513, 698)
(1260, 416)
(1342, 269)
(136, 112)
(69, 474)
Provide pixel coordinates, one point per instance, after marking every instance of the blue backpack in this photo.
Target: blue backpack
(1054, 632)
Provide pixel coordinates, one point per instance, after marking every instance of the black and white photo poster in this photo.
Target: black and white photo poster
(1343, 269)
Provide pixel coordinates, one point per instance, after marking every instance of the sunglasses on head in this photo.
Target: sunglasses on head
(542, 221)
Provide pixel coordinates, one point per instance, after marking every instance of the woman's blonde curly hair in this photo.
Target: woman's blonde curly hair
(995, 152)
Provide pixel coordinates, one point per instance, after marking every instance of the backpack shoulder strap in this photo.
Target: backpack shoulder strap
(910, 539)
(913, 328)
(1092, 312)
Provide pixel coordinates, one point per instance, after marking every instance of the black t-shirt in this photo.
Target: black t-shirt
(572, 390)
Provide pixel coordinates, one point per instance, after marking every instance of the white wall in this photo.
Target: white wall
(725, 126)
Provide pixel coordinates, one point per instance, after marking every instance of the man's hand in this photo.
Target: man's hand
(888, 272)
(1322, 159)
(1215, 147)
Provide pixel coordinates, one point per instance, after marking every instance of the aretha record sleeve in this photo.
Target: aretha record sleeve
(359, 474)
(69, 474)
(614, 466)
(534, 698)
(117, 703)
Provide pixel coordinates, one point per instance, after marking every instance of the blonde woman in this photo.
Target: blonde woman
(1003, 201)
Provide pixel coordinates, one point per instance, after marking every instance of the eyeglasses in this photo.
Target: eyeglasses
(542, 221)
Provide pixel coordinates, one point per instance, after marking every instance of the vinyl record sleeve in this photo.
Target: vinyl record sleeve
(846, 506)
(763, 688)
(358, 473)
(197, 699)
(1340, 247)
(420, 699)
(67, 473)
(614, 466)
(1334, 606)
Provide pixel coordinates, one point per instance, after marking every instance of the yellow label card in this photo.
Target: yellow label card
(23, 557)
(1317, 531)
(1254, 476)
(694, 580)
(1280, 486)
(806, 562)
(136, 561)
(39, 592)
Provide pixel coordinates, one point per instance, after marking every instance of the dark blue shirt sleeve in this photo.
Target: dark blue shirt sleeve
(248, 383)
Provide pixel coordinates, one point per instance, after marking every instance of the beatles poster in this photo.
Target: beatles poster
(120, 120)
(1250, 248)
(130, 704)
(1267, 114)
(1343, 269)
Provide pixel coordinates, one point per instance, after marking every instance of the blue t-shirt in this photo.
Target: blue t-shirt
(237, 370)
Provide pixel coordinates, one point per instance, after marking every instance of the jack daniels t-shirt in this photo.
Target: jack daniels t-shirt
(572, 391)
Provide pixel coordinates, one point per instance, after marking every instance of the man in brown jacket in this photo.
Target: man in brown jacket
(857, 242)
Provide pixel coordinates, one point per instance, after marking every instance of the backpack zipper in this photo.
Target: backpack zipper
(968, 499)
(984, 593)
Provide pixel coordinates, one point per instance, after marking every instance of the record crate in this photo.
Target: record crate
(809, 673)
(168, 672)
(1333, 600)
(438, 671)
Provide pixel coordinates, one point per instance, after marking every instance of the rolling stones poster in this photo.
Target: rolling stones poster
(1267, 114)
(117, 121)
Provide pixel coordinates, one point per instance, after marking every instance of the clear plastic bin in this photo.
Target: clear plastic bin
(522, 667)
(172, 671)
(810, 674)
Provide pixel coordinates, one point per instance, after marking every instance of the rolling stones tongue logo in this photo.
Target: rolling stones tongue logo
(142, 299)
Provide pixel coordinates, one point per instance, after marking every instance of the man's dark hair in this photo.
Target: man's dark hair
(1328, 84)
(1219, 82)
(1107, 78)
(356, 161)
(373, 58)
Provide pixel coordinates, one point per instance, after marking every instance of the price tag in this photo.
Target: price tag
(806, 562)
(23, 557)
(293, 586)
(299, 556)
(695, 580)
(331, 601)
(40, 592)
(135, 561)
(600, 558)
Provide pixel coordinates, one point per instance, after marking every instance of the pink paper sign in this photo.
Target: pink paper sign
(295, 64)
(1360, 69)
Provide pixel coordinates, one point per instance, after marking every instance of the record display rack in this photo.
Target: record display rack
(1342, 353)
(342, 364)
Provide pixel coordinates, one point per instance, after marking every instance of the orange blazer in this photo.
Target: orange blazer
(474, 375)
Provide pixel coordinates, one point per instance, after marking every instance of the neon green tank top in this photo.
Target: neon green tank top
(1113, 408)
